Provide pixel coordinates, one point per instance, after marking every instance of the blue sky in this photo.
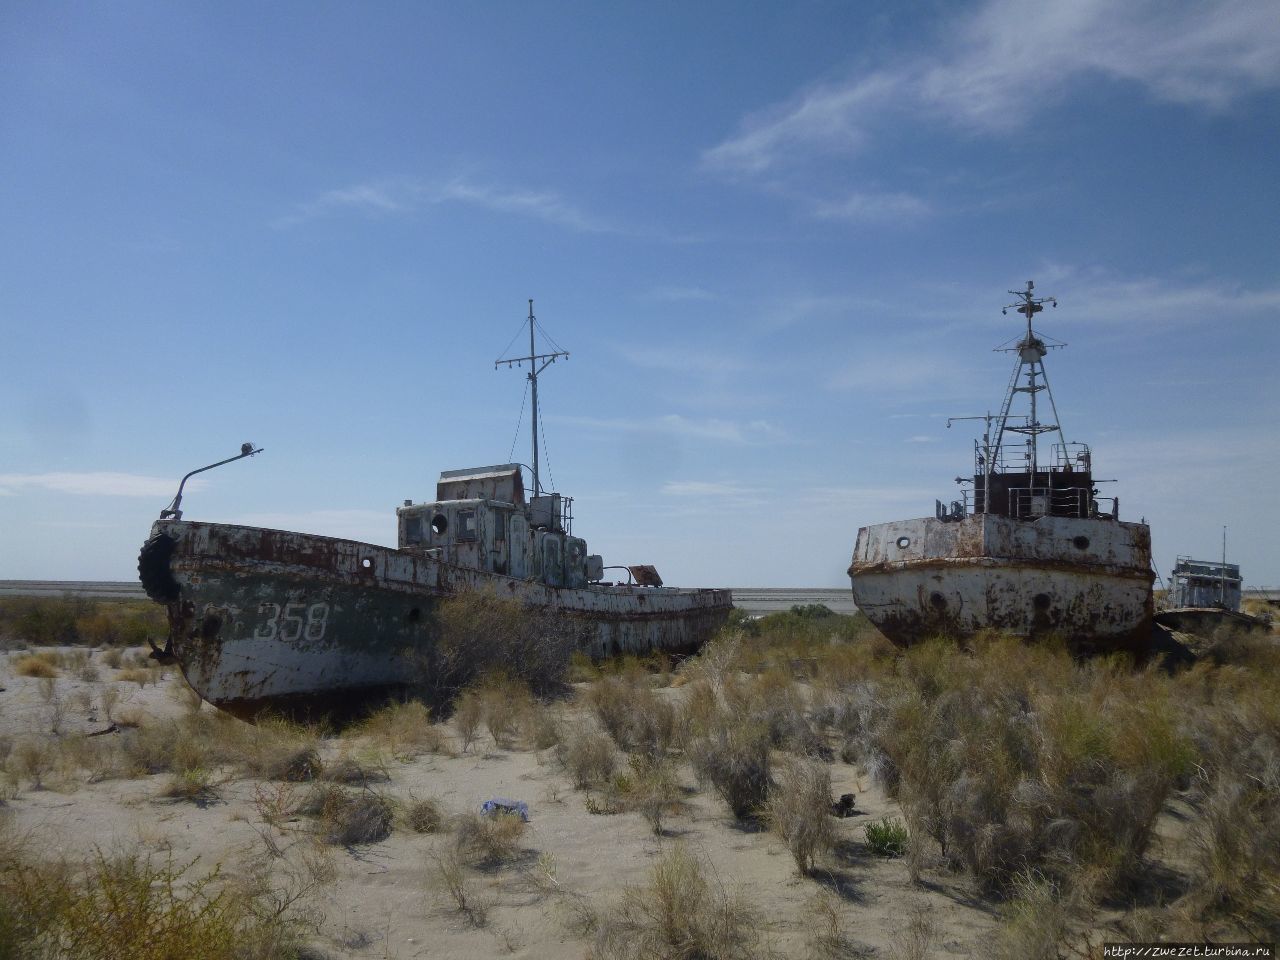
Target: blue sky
(774, 238)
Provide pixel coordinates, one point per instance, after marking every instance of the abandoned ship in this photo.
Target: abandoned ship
(272, 619)
(1029, 549)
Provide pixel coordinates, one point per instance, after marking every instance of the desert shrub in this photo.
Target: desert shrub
(1013, 758)
(633, 715)
(137, 907)
(32, 759)
(650, 788)
(1232, 714)
(886, 837)
(799, 811)
(347, 818)
(682, 911)
(113, 658)
(192, 783)
(451, 879)
(39, 665)
(488, 841)
(587, 756)
(275, 749)
(478, 633)
(1034, 922)
(404, 728)
(773, 699)
(733, 757)
(468, 715)
(357, 771)
(508, 708)
(423, 815)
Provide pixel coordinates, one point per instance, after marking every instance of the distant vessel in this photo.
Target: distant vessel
(1204, 597)
(271, 619)
(1027, 550)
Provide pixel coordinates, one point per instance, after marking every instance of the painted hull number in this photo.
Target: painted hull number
(293, 621)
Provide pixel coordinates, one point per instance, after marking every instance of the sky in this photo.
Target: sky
(775, 239)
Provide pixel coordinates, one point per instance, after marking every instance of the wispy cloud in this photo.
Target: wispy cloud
(995, 68)
(710, 488)
(674, 424)
(873, 207)
(684, 361)
(99, 484)
(400, 195)
(1145, 302)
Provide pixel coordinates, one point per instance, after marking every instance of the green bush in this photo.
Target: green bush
(887, 837)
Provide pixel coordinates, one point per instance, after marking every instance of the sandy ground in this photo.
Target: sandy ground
(384, 900)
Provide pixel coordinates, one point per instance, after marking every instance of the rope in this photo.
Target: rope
(546, 451)
(519, 420)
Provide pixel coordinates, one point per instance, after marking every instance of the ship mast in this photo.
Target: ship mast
(534, 369)
(1030, 350)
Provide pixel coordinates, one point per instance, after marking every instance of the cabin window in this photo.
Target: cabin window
(439, 524)
(904, 542)
(413, 530)
(466, 525)
(499, 521)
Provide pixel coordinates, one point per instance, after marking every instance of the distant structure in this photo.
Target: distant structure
(1205, 583)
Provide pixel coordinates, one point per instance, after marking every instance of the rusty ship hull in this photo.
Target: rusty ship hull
(1086, 580)
(263, 618)
(1028, 549)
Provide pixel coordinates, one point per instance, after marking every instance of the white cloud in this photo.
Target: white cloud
(100, 484)
(921, 438)
(1153, 301)
(996, 68)
(674, 424)
(401, 195)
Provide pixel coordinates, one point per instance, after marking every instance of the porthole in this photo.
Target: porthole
(1080, 543)
(366, 564)
(439, 524)
(1041, 601)
(904, 542)
(415, 615)
(938, 600)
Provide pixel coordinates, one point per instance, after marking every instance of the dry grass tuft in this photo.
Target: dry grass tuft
(348, 818)
(733, 757)
(651, 789)
(404, 729)
(423, 815)
(42, 664)
(450, 876)
(587, 756)
(799, 811)
(632, 714)
(488, 842)
(137, 907)
(682, 912)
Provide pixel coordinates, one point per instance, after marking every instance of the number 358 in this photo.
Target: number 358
(293, 621)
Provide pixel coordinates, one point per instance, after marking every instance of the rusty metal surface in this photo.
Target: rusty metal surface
(1086, 579)
(646, 575)
(269, 616)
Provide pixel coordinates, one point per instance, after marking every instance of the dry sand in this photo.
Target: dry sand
(384, 899)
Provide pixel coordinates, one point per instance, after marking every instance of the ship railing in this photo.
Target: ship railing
(1066, 458)
(1026, 503)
